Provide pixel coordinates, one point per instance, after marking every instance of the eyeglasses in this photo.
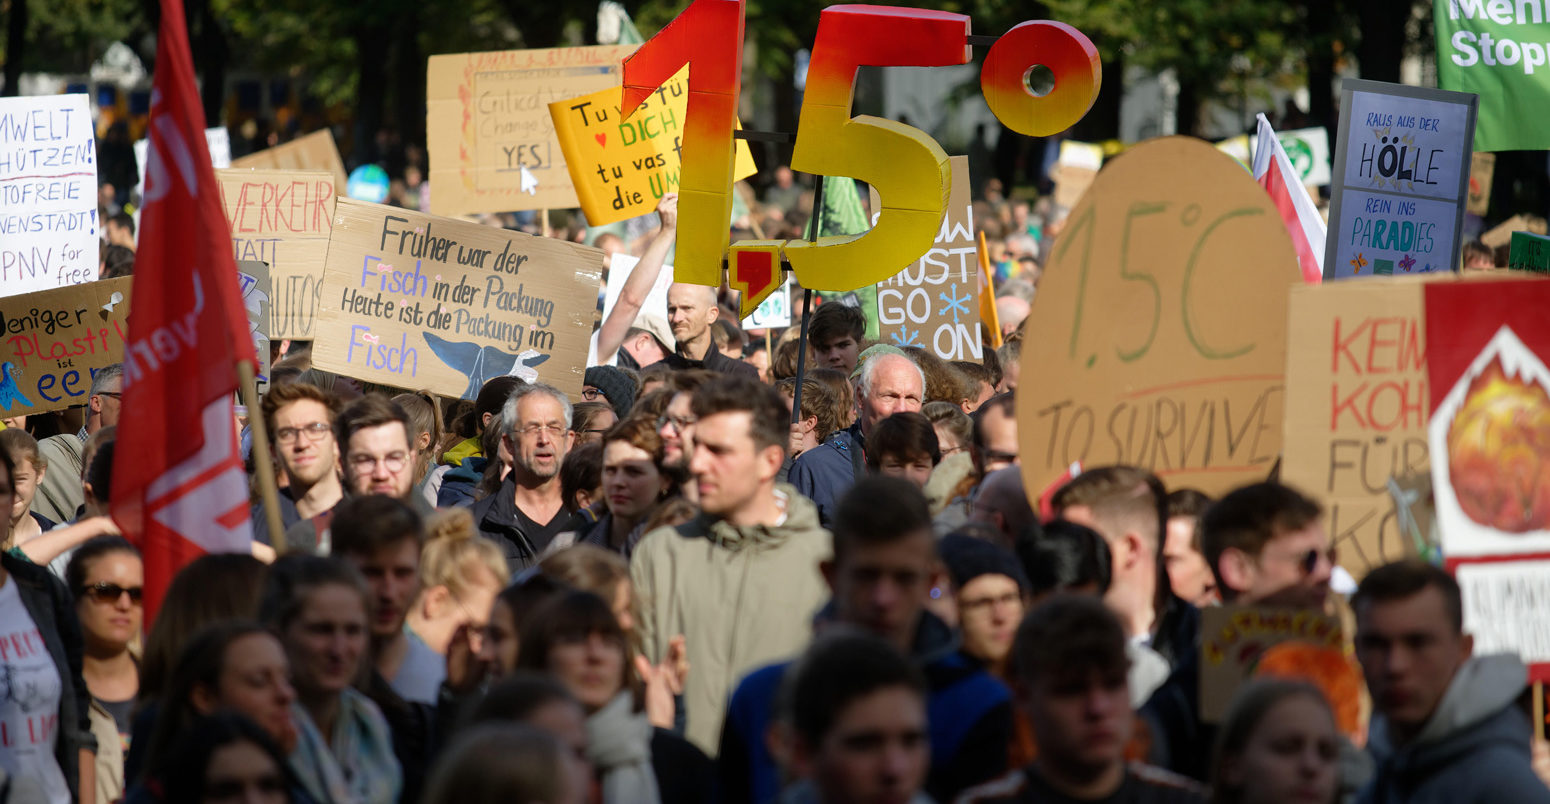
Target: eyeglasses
(1309, 561)
(393, 462)
(532, 430)
(680, 423)
(951, 450)
(593, 394)
(314, 431)
(114, 394)
(994, 456)
(111, 592)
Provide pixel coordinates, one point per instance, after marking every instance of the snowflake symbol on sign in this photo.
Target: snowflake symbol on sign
(955, 304)
(907, 337)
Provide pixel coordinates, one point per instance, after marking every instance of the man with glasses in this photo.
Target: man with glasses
(1267, 546)
(300, 421)
(529, 510)
(61, 494)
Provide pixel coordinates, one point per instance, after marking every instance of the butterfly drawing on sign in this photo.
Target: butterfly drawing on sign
(481, 363)
(1407, 263)
(1358, 263)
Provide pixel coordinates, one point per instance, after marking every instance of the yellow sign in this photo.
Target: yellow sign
(622, 168)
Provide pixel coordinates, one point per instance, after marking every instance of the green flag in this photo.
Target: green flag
(1498, 51)
(842, 214)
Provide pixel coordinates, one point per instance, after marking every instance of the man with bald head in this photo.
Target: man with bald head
(691, 310)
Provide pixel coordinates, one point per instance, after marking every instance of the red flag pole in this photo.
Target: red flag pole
(263, 463)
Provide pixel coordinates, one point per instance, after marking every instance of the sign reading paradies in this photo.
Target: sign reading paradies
(1161, 325)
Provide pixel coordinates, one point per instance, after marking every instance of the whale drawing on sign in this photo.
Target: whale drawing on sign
(10, 393)
(482, 363)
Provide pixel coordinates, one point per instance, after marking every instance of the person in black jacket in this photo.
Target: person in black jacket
(529, 510)
(42, 668)
(691, 310)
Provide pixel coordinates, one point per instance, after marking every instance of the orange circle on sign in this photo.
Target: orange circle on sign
(1066, 52)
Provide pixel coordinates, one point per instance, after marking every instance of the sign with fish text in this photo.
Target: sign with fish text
(1401, 180)
(53, 342)
(417, 301)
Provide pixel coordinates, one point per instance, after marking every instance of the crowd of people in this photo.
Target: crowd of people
(709, 578)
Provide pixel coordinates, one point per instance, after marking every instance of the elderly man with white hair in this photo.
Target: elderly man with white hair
(887, 382)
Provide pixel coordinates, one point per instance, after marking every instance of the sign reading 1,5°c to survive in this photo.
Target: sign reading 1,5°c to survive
(1401, 180)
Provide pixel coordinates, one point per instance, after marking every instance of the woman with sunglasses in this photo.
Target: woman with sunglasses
(47, 710)
(108, 578)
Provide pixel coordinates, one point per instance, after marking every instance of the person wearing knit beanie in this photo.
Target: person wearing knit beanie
(991, 591)
(615, 386)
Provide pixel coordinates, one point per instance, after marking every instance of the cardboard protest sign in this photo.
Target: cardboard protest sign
(772, 313)
(1161, 325)
(1482, 171)
(1356, 409)
(1401, 180)
(218, 140)
(1490, 420)
(416, 301)
(52, 343)
(48, 193)
(1077, 166)
(1501, 234)
(283, 218)
(1238, 643)
(934, 303)
(622, 168)
(315, 151)
(254, 282)
(1496, 50)
(492, 144)
(1530, 252)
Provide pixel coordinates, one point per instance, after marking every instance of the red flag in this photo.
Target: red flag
(179, 489)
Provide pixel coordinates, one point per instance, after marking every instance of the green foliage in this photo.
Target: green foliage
(66, 36)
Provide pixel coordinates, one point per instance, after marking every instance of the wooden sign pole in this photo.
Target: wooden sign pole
(263, 464)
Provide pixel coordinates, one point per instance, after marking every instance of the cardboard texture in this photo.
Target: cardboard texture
(622, 168)
(53, 341)
(48, 193)
(1530, 252)
(1501, 234)
(315, 151)
(283, 218)
(1356, 409)
(491, 140)
(1238, 643)
(254, 282)
(934, 303)
(1161, 325)
(1401, 180)
(1075, 170)
(417, 301)
(1490, 420)
(1482, 172)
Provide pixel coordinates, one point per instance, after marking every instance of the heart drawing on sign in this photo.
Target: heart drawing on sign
(601, 138)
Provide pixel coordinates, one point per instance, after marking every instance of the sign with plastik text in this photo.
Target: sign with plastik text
(315, 151)
(934, 303)
(1496, 50)
(417, 301)
(48, 193)
(621, 168)
(1356, 409)
(1490, 420)
(492, 144)
(283, 218)
(54, 341)
(1161, 325)
(1401, 180)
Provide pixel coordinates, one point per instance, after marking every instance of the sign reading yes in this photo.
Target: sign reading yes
(908, 168)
